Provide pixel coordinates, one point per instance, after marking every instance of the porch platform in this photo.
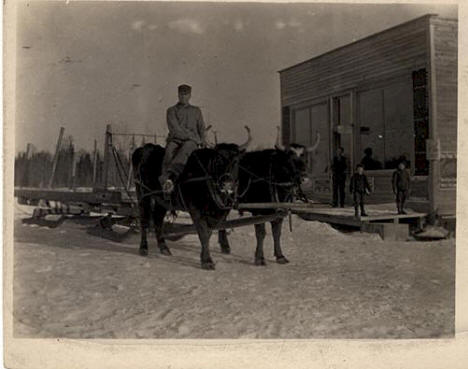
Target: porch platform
(378, 213)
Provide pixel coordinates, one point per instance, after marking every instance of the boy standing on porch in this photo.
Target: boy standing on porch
(401, 186)
(359, 187)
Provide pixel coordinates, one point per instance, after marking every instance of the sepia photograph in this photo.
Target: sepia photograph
(196, 170)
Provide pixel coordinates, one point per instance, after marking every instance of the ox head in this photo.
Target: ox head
(296, 158)
(226, 165)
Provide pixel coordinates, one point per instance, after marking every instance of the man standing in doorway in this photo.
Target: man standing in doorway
(186, 134)
(339, 178)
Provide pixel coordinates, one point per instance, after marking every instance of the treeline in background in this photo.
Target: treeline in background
(75, 168)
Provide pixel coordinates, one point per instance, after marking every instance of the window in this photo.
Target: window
(286, 126)
(385, 118)
(308, 121)
(421, 121)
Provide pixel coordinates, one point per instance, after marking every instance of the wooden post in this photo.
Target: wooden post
(130, 169)
(73, 166)
(434, 160)
(54, 163)
(27, 175)
(28, 151)
(352, 109)
(94, 163)
(107, 157)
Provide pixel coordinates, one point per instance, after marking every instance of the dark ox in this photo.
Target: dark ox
(206, 184)
(266, 176)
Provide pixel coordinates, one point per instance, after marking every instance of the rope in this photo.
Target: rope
(269, 181)
(271, 184)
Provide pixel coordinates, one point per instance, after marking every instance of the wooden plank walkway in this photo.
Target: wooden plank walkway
(345, 216)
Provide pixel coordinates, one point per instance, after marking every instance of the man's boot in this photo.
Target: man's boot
(363, 212)
(168, 186)
(402, 208)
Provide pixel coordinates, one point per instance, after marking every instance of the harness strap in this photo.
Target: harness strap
(257, 178)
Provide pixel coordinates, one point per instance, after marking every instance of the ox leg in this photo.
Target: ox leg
(158, 217)
(260, 235)
(276, 226)
(224, 242)
(204, 234)
(145, 214)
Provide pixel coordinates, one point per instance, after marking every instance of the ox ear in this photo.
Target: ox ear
(246, 144)
(278, 145)
(315, 145)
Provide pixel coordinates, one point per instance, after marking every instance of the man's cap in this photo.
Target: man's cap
(184, 89)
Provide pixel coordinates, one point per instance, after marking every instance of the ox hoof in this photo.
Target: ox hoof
(260, 261)
(165, 251)
(143, 252)
(282, 260)
(225, 249)
(209, 265)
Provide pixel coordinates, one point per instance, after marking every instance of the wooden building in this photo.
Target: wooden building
(394, 92)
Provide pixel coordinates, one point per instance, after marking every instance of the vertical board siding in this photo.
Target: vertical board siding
(446, 70)
(446, 73)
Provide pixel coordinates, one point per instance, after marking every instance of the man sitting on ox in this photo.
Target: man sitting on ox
(186, 134)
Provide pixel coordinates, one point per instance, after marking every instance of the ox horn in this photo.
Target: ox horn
(249, 139)
(315, 145)
(278, 144)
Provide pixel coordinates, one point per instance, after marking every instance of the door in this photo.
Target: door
(371, 125)
(342, 127)
(399, 136)
(320, 158)
(385, 119)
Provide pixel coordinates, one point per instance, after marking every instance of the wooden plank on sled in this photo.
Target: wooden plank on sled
(173, 232)
(277, 205)
(240, 222)
(95, 197)
(116, 233)
(51, 222)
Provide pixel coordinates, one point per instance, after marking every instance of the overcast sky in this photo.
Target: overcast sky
(84, 65)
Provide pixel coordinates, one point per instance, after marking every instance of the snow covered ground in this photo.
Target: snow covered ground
(69, 283)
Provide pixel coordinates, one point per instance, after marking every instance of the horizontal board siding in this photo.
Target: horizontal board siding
(395, 51)
(388, 64)
(352, 73)
(446, 69)
(331, 62)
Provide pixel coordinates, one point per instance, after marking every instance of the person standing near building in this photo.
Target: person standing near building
(186, 134)
(359, 187)
(401, 185)
(368, 162)
(339, 167)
